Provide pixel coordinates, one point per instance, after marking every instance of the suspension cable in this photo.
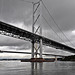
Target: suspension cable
(53, 29)
(55, 22)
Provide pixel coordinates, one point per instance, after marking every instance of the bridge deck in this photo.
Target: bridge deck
(20, 33)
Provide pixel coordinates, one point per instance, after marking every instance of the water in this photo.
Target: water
(27, 68)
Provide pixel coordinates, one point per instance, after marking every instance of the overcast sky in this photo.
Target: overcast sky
(19, 14)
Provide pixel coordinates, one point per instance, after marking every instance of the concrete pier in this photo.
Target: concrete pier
(38, 60)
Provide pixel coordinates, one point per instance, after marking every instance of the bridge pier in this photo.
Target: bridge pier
(32, 49)
(40, 48)
(55, 58)
(34, 54)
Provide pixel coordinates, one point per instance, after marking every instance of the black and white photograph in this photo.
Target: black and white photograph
(37, 37)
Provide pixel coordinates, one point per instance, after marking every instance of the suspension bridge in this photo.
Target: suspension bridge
(15, 32)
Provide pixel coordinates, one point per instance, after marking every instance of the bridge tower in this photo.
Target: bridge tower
(35, 47)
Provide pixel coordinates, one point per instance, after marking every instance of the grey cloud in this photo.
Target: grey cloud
(25, 46)
(15, 11)
(9, 41)
(18, 11)
(62, 12)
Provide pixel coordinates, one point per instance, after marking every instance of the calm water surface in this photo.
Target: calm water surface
(27, 68)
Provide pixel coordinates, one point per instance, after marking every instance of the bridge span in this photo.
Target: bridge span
(15, 32)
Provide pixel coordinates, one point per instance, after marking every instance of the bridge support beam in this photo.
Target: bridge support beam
(55, 58)
(32, 49)
(35, 49)
(33, 32)
(40, 48)
(40, 43)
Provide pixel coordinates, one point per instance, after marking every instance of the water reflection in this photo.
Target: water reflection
(27, 68)
(36, 68)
